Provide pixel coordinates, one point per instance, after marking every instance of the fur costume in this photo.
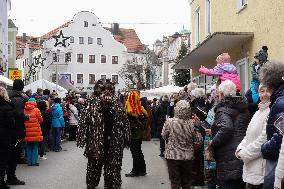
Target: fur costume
(104, 132)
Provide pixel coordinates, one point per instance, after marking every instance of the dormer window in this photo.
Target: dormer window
(86, 24)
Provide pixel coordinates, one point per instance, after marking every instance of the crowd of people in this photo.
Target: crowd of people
(31, 126)
(223, 139)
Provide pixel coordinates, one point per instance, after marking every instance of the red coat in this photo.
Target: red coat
(33, 129)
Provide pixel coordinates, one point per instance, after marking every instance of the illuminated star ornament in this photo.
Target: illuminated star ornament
(60, 39)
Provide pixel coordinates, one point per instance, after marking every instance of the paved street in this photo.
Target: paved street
(66, 170)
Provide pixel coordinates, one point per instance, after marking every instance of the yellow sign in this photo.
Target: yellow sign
(15, 74)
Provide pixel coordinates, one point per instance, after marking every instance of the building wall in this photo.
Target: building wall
(110, 47)
(4, 7)
(12, 43)
(264, 18)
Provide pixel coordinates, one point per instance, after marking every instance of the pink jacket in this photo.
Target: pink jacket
(225, 72)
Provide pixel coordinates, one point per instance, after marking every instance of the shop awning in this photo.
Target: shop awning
(214, 45)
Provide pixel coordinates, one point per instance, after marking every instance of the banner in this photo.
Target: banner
(15, 74)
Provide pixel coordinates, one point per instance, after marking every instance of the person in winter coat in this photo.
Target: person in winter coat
(7, 127)
(45, 127)
(33, 131)
(182, 139)
(73, 119)
(271, 75)
(18, 102)
(249, 150)
(161, 115)
(149, 120)
(57, 124)
(224, 69)
(228, 130)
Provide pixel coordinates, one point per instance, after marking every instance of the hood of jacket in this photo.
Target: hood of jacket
(279, 92)
(55, 107)
(233, 103)
(182, 110)
(13, 94)
(30, 105)
(228, 68)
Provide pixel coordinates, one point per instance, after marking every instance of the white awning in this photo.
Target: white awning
(211, 47)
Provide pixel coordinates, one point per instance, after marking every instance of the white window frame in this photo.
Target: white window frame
(208, 17)
(241, 5)
(77, 78)
(112, 60)
(117, 78)
(244, 61)
(101, 59)
(90, 40)
(197, 26)
(89, 78)
(99, 41)
(82, 41)
(103, 74)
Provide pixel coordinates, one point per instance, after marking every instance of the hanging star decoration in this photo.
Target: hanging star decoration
(60, 39)
(39, 60)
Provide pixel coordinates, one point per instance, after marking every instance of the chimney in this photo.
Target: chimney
(24, 37)
(115, 28)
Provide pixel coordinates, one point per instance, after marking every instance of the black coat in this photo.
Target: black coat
(18, 102)
(161, 114)
(7, 122)
(228, 130)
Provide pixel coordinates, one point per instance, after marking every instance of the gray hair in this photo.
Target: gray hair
(198, 92)
(4, 94)
(271, 75)
(228, 88)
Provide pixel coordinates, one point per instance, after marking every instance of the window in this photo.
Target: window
(103, 59)
(80, 58)
(92, 58)
(208, 17)
(80, 78)
(114, 79)
(9, 49)
(243, 67)
(81, 40)
(241, 4)
(92, 78)
(53, 78)
(86, 24)
(55, 57)
(99, 41)
(197, 26)
(114, 59)
(71, 39)
(67, 57)
(90, 40)
(103, 77)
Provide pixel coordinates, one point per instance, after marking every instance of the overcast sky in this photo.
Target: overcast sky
(37, 17)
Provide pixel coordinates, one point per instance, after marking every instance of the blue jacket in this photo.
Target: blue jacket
(57, 116)
(270, 149)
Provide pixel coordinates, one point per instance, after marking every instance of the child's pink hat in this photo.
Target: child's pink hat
(223, 58)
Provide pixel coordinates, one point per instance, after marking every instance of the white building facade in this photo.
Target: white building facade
(92, 53)
(5, 6)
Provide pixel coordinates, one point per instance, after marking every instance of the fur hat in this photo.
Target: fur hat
(262, 55)
(18, 85)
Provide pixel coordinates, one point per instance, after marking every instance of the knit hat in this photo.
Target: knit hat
(165, 98)
(262, 55)
(32, 100)
(223, 58)
(18, 85)
(57, 100)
